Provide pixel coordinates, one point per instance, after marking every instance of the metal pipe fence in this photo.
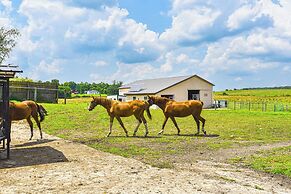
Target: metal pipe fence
(260, 106)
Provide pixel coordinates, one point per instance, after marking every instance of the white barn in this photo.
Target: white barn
(177, 88)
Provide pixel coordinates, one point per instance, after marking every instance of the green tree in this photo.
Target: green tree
(55, 81)
(7, 42)
(113, 89)
(71, 84)
(64, 90)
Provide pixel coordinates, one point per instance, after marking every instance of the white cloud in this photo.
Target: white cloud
(238, 79)
(190, 26)
(7, 4)
(126, 72)
(46, 68)
(287, 69)
(60, 30)
(100, 63)
(211, 38)
(5, 20)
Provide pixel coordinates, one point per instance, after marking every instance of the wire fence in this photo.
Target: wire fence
(259, 106)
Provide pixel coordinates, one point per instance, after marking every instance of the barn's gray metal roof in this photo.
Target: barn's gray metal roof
(153, 86)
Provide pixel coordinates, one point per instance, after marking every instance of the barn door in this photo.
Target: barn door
(193, 94)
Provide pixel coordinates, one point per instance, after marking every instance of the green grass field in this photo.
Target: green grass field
(226, 129)
(258, 95)
(275, 161)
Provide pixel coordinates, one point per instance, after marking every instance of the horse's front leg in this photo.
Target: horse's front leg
(135, 130)
(31, 127)
(121, 123)
(175, 123)
(38, 124)
(110, 126)
(145, 125)
(165, 121)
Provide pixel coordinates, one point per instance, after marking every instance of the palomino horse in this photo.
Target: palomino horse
(174, 109)
(116, 109)
(26, 110)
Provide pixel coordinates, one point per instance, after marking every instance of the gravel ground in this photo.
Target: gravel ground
(54, 165)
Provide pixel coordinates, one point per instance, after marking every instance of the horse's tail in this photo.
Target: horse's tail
(148, 110)
(41, 111)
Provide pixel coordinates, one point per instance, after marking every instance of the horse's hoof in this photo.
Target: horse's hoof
(134, 135)
(108, 135)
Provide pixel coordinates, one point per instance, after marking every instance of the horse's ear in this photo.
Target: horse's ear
(93, 97)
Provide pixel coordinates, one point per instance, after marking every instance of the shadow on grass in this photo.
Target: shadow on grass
(192, 135)
(32, 143)
(99, 140)
(20, 157)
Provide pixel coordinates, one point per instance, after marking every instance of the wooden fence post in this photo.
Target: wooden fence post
(35, 94)
(65, 97)
(274, 107)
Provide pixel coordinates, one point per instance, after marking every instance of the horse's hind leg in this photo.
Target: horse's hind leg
(110, 126)
(175, 123)
(31, 127)
(35, 117)
(139, 122)
(145, 124)
(164, 124)
(203, 124)
(198, 124)
(122, 125)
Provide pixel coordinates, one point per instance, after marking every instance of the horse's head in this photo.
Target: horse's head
(93, 104)
(159, 101)
(150, 100)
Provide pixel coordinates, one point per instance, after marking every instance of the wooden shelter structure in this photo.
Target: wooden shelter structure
(6, 72)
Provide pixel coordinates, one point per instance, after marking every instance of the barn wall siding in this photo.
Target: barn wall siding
(180, 91)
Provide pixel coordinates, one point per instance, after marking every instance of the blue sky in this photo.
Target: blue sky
(233, 44)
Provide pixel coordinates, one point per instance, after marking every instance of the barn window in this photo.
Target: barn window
(168, 96)
(145, 97)
(133, 98)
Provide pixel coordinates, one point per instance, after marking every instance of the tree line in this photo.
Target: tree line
(79, 88)
(83, 87)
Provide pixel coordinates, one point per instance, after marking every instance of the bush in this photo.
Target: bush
(64, 90)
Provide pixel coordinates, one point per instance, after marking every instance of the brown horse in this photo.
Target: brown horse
(26, 110)
(116, 109)
(174, 109)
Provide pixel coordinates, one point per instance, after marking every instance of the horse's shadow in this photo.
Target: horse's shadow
(32, 143)
(142, 136)
(193, 135)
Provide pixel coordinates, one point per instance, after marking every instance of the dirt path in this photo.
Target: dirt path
(54, 165)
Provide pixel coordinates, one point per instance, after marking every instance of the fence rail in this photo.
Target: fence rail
(260, 106)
